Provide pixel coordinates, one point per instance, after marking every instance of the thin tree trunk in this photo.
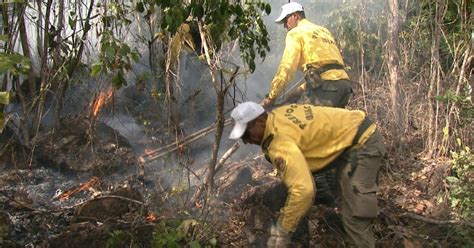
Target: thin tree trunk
(398, 124)
(43, 65)
(58, 65)
(434, 84)
(26, 51)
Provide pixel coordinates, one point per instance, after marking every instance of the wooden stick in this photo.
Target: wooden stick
(437, 222)
(227, 155)
(162, 151)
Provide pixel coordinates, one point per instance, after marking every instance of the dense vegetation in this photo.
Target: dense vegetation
(412, 61)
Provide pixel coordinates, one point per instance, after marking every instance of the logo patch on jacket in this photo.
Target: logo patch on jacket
(280, 164)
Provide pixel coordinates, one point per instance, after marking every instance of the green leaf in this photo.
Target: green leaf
(4, 97)
(140, 7)
(268, 9)
(194, 244)
(109, 52)
(118, 80)
(96, 69)
(198, 11)
(4, 37)
(135, 56)
(15, 63)
(213, 242)
(124, 50)
(452, 179)
(71, 22)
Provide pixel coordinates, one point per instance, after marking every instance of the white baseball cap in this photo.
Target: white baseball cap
(243, 114)
(288, 9)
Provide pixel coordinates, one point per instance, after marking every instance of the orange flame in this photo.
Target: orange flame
(84, 186)
(151, 217)
(148, 151)
(100, 101)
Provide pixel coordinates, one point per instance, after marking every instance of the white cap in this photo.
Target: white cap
(288, 9)
(243, 114)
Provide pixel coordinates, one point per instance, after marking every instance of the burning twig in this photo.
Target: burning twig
(100, 101)
(151, 217)
(84, 186)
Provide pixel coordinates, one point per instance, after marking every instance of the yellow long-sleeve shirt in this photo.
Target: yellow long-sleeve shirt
(301, 139)
(307, 44)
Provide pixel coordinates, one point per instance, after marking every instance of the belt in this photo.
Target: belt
(325, 68)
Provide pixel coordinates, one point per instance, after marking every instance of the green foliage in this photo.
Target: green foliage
(223, 20)
(357, 28)
(462, 183)
(116, 57)
(175, 234)
(462, 101)
(118, 238)
(14, 63)
(165, 236)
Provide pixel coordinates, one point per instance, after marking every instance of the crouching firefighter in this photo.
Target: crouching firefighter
(300, 140)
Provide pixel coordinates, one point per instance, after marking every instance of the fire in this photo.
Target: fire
(151, 217)
(148, 151)
(84, 186)
(100, 101)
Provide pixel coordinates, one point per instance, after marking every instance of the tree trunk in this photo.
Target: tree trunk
(398, 123)
(43, 57)
(434, 82)
(26, 51)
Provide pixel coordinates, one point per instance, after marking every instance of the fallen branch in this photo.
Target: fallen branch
(437, 222)
(227, 155)
(162, 151)
(12, 198)
(120, 198)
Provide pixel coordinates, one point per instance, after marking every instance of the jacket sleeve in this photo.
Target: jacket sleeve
(295, 174)
(288, 65)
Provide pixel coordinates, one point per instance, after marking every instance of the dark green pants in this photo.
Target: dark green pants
(358, 183)
(328, 93)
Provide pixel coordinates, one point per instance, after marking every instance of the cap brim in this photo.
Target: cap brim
(280, 19)
(238, 130)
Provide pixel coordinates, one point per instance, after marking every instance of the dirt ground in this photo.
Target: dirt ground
(91, 191)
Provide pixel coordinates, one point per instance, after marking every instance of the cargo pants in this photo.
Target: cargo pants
(328, 93)
(358, 184)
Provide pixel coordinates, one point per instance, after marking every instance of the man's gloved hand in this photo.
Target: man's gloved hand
(279, 238)
(266, 102)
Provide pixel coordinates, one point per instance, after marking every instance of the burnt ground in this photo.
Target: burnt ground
(86, 187)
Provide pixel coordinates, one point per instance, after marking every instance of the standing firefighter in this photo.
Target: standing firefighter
(303, 139)
(310, 48)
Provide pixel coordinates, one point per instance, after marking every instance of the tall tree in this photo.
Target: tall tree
(397, 106)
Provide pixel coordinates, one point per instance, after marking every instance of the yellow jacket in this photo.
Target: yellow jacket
(307, 44)
(301, 139)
